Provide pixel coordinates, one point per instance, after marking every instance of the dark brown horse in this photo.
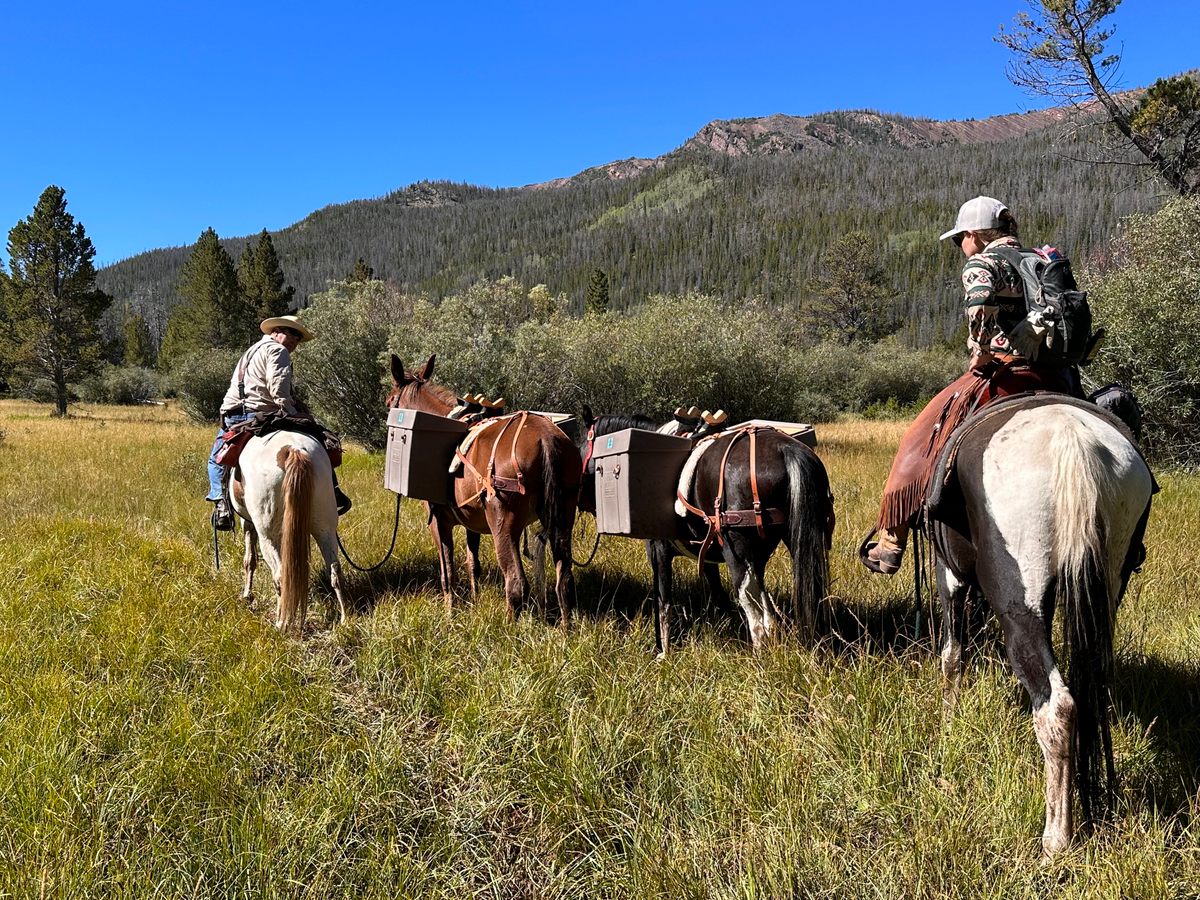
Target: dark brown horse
(536, 477)
(786, 477)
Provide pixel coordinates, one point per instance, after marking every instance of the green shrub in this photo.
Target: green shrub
(344, 367)
(500, 339)
(125, 385)
(1144, 296)
(200, 381)
(37, 389)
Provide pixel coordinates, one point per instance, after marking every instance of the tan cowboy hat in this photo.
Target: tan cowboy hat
(292, 322)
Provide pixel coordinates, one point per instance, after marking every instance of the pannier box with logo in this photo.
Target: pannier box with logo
(568, 424)
(801, 432)
(637, 475)
(420, 447)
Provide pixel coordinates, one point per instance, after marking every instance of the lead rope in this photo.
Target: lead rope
(216, 544)
(386, 557)
(591, 556)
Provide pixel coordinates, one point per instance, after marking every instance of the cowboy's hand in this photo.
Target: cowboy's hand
(1026, 336)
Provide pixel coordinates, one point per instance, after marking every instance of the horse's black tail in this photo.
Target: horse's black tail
(1080, 483)
(561, 474)
(810, 523)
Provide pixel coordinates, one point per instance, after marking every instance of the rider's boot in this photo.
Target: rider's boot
(885, 555)
(343, 502)
(222, 515)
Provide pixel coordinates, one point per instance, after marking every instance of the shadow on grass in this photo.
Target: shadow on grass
(1165, 698)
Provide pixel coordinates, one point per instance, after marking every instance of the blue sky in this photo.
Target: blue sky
(161, 119)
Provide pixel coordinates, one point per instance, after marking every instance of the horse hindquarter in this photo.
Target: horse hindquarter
(287, 496)
(1054, 495)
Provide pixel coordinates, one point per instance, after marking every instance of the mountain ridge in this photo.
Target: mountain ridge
(742, 209)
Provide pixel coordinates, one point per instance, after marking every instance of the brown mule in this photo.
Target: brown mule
(514, 473)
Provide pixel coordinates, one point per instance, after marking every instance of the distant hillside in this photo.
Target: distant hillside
(741, 209)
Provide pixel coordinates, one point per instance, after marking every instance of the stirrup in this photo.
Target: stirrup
(878, 560)
(222, 516)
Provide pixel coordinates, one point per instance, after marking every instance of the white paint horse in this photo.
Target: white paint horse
(1049, 505)
(283, 490)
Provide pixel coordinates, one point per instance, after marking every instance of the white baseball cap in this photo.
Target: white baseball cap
(978, 214)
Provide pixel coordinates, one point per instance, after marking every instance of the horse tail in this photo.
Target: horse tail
(1080, 481)
(298, 482)
(559, 490)
(810, 518)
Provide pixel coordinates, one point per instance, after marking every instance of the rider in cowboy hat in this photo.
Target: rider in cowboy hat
(261, 382)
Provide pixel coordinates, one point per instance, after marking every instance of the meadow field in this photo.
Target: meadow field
(159, 739)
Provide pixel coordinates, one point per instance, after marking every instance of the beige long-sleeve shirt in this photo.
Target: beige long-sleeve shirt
(265, 371)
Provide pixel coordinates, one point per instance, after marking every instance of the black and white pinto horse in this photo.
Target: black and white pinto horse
(1048, 506)
(790, 477)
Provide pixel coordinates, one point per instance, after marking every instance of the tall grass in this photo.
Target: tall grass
(159, 739)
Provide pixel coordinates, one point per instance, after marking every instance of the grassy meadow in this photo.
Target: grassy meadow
(159, 739)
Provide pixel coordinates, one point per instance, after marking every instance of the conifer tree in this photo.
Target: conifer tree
(261, 279)
(213, 312)
(51, 305)
(1059, 52)
(852, 299)
(362, 272)
(139, 345)
(597, 292)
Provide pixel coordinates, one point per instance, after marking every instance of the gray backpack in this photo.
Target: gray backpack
(1050, 289)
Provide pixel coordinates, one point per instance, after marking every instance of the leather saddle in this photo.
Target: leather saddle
(945, 507)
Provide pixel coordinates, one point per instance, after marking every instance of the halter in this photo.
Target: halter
(587, 458)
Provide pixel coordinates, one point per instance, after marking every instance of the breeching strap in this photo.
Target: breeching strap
(720, 518)
(489, 481)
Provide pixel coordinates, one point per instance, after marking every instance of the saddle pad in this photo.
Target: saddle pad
(689, 473)
(476, 430)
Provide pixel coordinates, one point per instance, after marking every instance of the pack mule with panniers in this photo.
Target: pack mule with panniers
(749, 488)
(496, 478)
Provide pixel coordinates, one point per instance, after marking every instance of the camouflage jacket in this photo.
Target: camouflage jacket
(995, 300)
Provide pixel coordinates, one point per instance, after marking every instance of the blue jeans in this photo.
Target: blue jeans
(216, 472)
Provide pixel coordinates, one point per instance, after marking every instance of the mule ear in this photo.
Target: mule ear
(588, 418)
(427, 369)
(399, 376)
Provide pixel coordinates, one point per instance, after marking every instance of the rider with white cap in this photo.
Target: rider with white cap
(1004, 348)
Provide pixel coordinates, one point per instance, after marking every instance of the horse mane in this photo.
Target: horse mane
(444, 394)
(609, 424)
(434, 390)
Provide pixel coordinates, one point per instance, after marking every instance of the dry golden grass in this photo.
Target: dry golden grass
(158, 739)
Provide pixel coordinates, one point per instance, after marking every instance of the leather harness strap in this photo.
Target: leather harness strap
(721, 519)
(489, 481)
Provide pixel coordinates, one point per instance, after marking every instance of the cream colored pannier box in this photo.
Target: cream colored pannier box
(566, 423)
(420, 447)
(637, 474)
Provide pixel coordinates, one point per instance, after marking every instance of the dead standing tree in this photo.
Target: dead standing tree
(1059, 52)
